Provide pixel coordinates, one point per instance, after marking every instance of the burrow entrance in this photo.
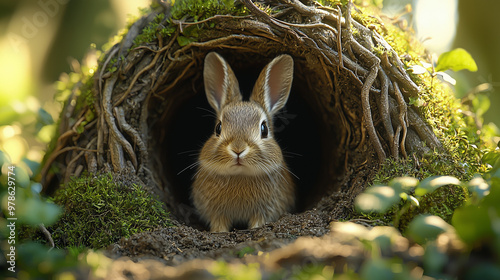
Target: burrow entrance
(308, 130)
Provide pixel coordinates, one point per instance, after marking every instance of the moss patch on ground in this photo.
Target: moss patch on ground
(99, 210)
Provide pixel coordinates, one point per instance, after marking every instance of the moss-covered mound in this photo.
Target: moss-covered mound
(99, 210)
(356, 114)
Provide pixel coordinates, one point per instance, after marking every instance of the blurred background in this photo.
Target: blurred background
(40, 40)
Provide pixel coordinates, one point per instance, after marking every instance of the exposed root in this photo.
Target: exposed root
(383, 106)
(403, 117)
(117, 142)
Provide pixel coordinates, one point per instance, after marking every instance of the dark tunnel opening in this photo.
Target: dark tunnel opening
(309, 143)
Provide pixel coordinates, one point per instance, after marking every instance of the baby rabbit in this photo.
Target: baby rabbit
(242, 176)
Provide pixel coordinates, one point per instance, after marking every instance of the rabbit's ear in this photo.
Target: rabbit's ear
(221, 85)
(273, 85)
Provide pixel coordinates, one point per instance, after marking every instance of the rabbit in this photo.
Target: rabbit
(242, 176)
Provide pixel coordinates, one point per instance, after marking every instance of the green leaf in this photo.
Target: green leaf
(426, 227)
(34, 166)
(481, 104)
(445, 77)
(8, 115)
(4, 159)
(377, 199)
(456, 60)
(383, 269)
(418, 102)
(491, 157)
(433, 183)
(36, 188)
(492, 200)
(479, 186)
(383, 236)
(414, 200)
(403, 184)
(472, 223)
(377, 270)
(22, 179)
(44, 117)
(434, 259)
(182, 40)
(483, 271)
(33, 211)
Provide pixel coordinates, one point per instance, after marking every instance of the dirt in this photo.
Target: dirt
(184, 251)
(175, 245)
(192, 250)
(278, 250)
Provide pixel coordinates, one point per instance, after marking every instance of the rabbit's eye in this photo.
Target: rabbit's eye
(264, 131)
(218, 129)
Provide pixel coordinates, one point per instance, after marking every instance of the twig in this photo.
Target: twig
(265, 17)
(339, 39)
(48, 235)
(105, 65)
(56, 154)
(148, 67)
(178, 78)
(307, 10)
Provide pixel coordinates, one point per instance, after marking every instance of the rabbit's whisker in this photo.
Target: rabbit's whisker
(191, 166)
(189, 151)
(290, 171)
(291, 154)
(207, 110)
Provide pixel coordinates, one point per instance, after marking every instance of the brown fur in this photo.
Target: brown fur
(242, 177)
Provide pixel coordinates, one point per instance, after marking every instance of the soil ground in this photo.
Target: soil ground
(184, 252)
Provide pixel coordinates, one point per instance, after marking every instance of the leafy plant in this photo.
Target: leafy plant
(22, 206)
(454, 60)
(418, 197)
(478, 221)
(23, 193)
(475, 222)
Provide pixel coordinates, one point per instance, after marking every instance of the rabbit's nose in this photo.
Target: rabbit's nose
(238, 150)
(239, 153)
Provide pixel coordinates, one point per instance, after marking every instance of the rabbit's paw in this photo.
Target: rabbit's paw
(220, 224)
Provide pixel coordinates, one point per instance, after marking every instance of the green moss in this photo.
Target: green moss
(333, 3)
(186, 11)
(441, 202)
(158, 27)
(99, 211)
(195, 10)
(420, 168)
